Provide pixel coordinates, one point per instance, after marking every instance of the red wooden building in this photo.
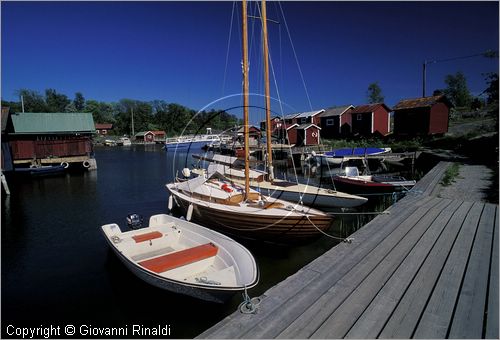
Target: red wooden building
(307, 134)
(422, 116)
(103, 128)
(336, 121)
(287, 133)
(48, 138)
(150, 136)
(371, 118)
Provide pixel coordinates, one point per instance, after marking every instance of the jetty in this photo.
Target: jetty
(426, 269)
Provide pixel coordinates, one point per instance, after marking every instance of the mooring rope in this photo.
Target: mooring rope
(249, 305)
(345, 240)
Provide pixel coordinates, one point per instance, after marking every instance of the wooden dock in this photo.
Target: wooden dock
(429, 269)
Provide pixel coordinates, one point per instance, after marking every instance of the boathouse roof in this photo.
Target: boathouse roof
(369, 108)
(336, 111)
(309, 114)
(422, 102)
(307, 126)
(52, 122)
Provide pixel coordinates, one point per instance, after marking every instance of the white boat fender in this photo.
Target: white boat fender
(186, 172)
(189, 213)
(86, 164)
(170, 202)
(65, 165)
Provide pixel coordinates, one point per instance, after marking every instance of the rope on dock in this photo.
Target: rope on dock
(249, 305)
(345, 240)
(385, 212)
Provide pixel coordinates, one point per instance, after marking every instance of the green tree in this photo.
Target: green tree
(457, 90)
(143, 115)
(33, 101)
(56, 102)
(492, 89)
(374, 93)
(79, 101)
(14, 106)
(101, 112)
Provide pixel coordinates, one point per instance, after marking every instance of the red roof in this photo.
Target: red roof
(104, 126)
(369, 108)
(422, 102)
(158, 132)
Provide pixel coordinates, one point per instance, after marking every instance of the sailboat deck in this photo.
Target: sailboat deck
(429, 269)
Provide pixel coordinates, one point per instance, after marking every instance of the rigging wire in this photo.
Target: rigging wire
(227, 50)
(295, 56)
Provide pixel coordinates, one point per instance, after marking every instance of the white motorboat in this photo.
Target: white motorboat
(184, 257)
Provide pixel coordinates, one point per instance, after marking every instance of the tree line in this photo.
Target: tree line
(172, 118)
(456, 91)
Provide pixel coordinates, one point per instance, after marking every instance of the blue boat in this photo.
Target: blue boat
(356, 152)
(41, 170)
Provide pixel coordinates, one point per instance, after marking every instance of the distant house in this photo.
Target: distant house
(336, 121)
(103, 129)
(48, 138)
(287, 133)
(371, 118)
(150, 136)
(275, 121)
(254, 134)
(307, 134)
(422, 116)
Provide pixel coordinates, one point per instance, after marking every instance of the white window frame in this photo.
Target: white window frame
(359, 116)
(330, 122)
(303, 120)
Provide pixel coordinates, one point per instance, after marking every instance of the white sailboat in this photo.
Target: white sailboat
(215, 202)
(290, 191)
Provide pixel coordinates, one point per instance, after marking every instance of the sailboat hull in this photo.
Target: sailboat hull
(294, 228)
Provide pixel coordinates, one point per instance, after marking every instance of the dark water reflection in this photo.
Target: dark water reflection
(58, 270)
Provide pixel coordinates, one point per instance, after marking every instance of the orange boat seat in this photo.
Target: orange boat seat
(146, 237)
(180, 258)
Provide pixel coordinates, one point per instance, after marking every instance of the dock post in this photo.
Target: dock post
(4, 184)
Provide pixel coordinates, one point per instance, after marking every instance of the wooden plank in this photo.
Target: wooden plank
(431, 178)
(271, 308)
(312, 317)
(436, 319)
(287, 301)
(405, 317)
(433, 186)
(341, 320)
(237, 323)
(328, 264)
(378, 312)
(469, 313)
(492, 314)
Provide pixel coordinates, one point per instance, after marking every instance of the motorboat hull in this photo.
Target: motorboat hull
(361, 186)
(165, 255)
(217, 296)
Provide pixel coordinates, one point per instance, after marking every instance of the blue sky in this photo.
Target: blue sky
(176, 51)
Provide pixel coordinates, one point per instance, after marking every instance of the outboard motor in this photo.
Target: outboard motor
(134, 221)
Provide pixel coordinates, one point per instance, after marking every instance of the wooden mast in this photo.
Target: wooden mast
(245, 97)
(267, 93)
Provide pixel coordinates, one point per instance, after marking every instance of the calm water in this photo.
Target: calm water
(58, 270)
